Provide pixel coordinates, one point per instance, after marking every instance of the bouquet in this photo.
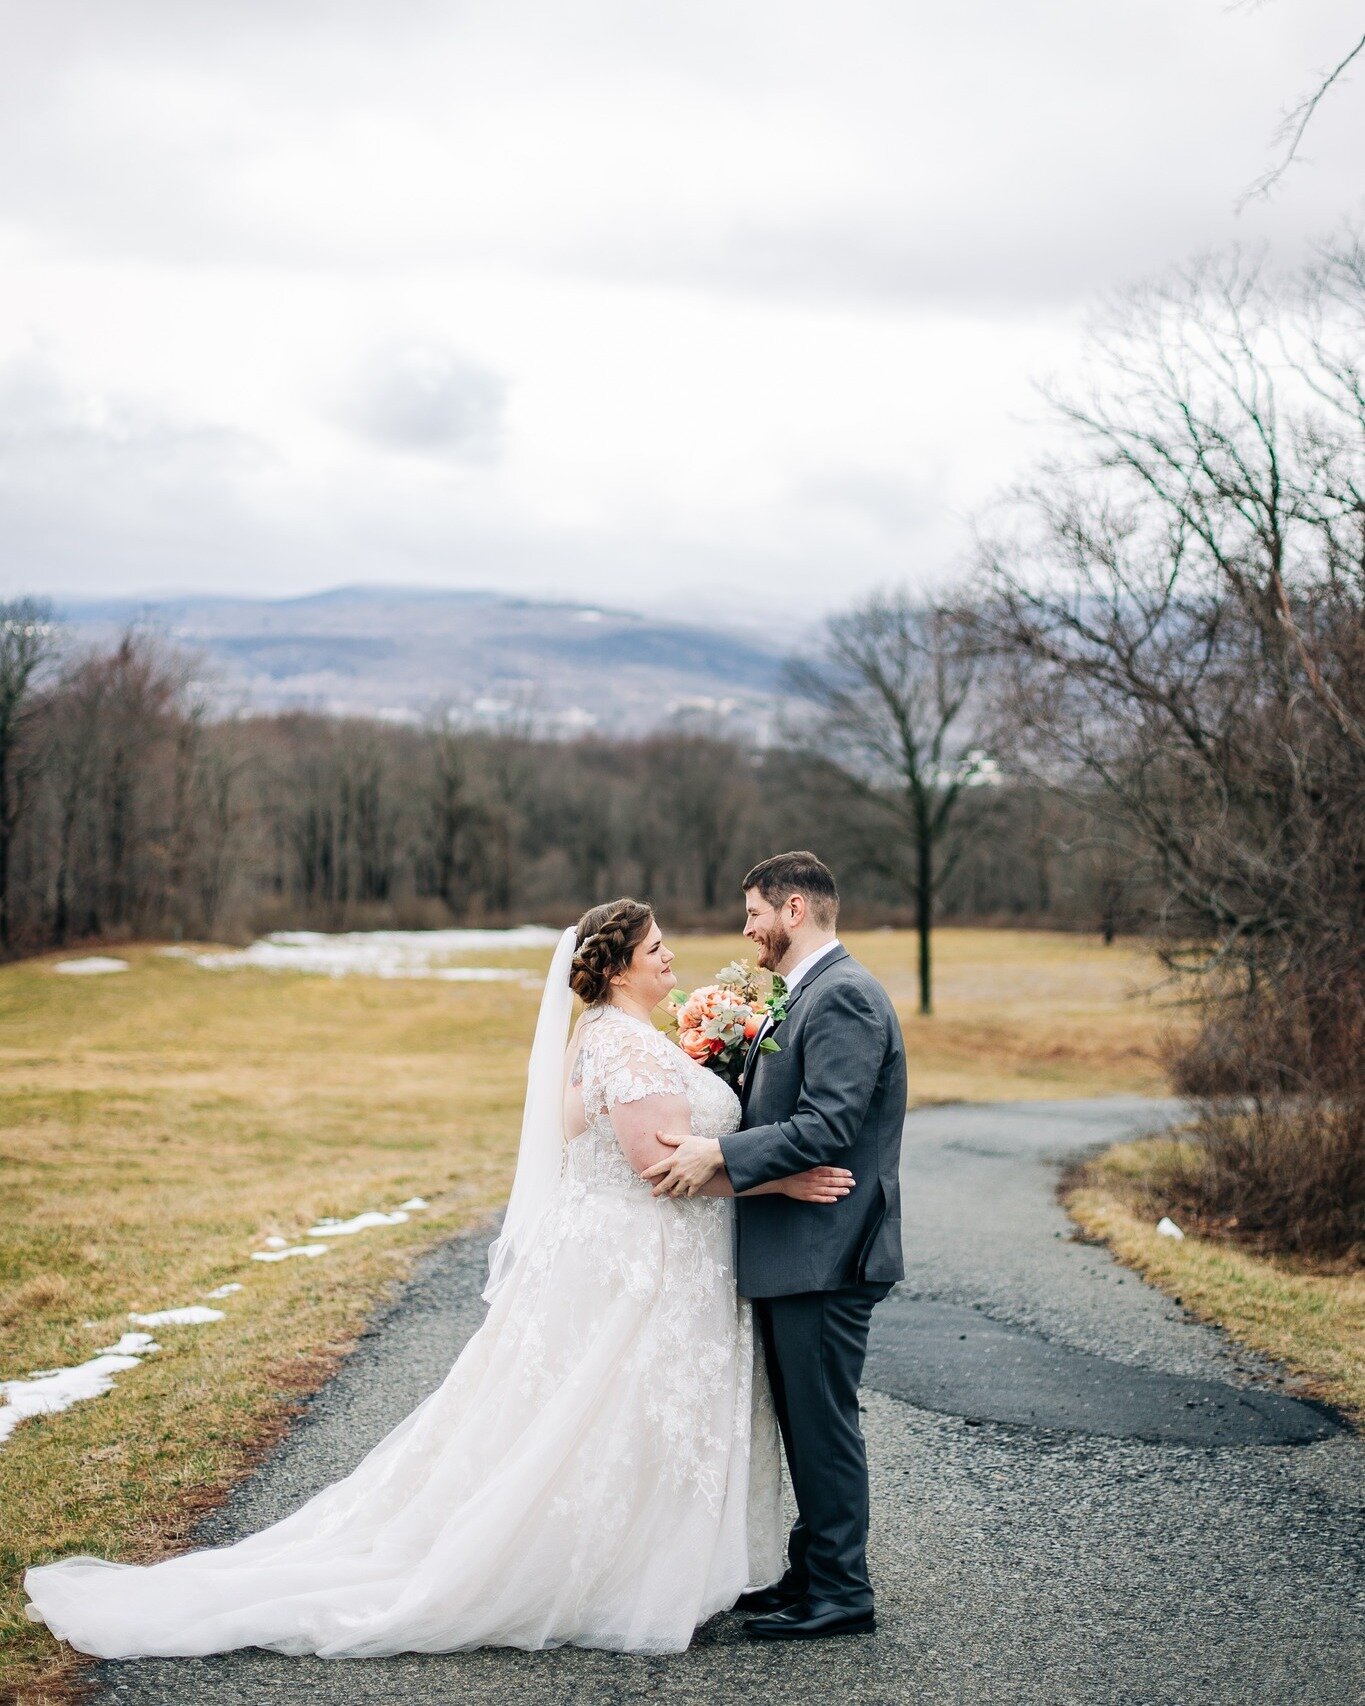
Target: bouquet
(716, 1023)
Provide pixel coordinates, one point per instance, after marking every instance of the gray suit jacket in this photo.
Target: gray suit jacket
(834, 1095)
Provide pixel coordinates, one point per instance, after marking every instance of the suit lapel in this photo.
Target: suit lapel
(754, 1055)
(750, 1062)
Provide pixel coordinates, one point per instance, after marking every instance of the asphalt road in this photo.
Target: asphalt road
(1078, 1494)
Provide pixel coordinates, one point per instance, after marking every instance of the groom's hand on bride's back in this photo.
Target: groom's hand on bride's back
(817, 1184)
(695, 1161)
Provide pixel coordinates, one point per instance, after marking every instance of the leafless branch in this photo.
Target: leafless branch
(1293, 126)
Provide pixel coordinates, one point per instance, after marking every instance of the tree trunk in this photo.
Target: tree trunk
(4, 848)
(924, 918)
(61, 918)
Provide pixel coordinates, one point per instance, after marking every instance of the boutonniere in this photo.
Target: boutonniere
(777, 1011)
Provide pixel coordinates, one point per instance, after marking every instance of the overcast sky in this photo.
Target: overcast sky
(658, 302)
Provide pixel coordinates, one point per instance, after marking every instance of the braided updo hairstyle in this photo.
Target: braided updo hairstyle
(607, 937)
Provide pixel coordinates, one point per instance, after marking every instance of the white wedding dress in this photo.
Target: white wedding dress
(600, 1466)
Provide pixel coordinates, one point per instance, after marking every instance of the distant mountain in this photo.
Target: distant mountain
(402, 653)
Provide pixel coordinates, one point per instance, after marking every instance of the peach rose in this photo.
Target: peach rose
(699, 1006)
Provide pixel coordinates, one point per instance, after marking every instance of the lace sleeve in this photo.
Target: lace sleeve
(624, 1062)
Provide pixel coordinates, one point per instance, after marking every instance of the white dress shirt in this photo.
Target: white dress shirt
(805, 967)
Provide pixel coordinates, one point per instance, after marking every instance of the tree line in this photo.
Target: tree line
(129, 811)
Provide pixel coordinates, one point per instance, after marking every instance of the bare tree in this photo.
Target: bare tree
(507, 772)
(28, 642)
(1178, 605)
(892, 691)
(454, 815)
(1180, 616)
(222, 817)
(142, 710)
(707, 781)
(75, 718)
(186, 822)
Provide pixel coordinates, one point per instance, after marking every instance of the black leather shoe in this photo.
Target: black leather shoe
(810, 1620)
(775, 1598)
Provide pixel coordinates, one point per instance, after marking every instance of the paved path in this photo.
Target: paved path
(1079, 1495)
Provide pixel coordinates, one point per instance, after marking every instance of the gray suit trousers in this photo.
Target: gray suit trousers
(815, 1344)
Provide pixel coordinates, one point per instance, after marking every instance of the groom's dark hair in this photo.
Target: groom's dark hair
(797, 873)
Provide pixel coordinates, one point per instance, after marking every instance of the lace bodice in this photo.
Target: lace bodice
(623, 1059)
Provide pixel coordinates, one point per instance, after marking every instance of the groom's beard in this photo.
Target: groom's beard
(772, 948)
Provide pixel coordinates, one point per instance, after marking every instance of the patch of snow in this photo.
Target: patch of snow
(225, 1290)
(414, 1203)
(131, 1345)
(93, 966)
(379, 953)
(48, 1391)
(193, 1315)
(1168, 1228)
(275, 1242)
(283, 1255)
(358, 1223)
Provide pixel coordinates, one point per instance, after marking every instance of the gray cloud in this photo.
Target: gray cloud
(99, 490)
(896, 507)
(991, 153)
(42, 411)
(422, 397)
(735, 266)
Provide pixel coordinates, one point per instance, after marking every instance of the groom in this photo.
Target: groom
(832, 1093)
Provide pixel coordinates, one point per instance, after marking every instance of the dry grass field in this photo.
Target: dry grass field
(1025, 1014)
(158, 1125)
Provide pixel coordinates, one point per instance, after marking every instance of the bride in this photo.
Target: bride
(599, 1467)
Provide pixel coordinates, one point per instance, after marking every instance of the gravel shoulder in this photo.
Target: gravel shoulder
(1016, 1563)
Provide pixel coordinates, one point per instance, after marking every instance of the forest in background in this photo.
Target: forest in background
(140, 816)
